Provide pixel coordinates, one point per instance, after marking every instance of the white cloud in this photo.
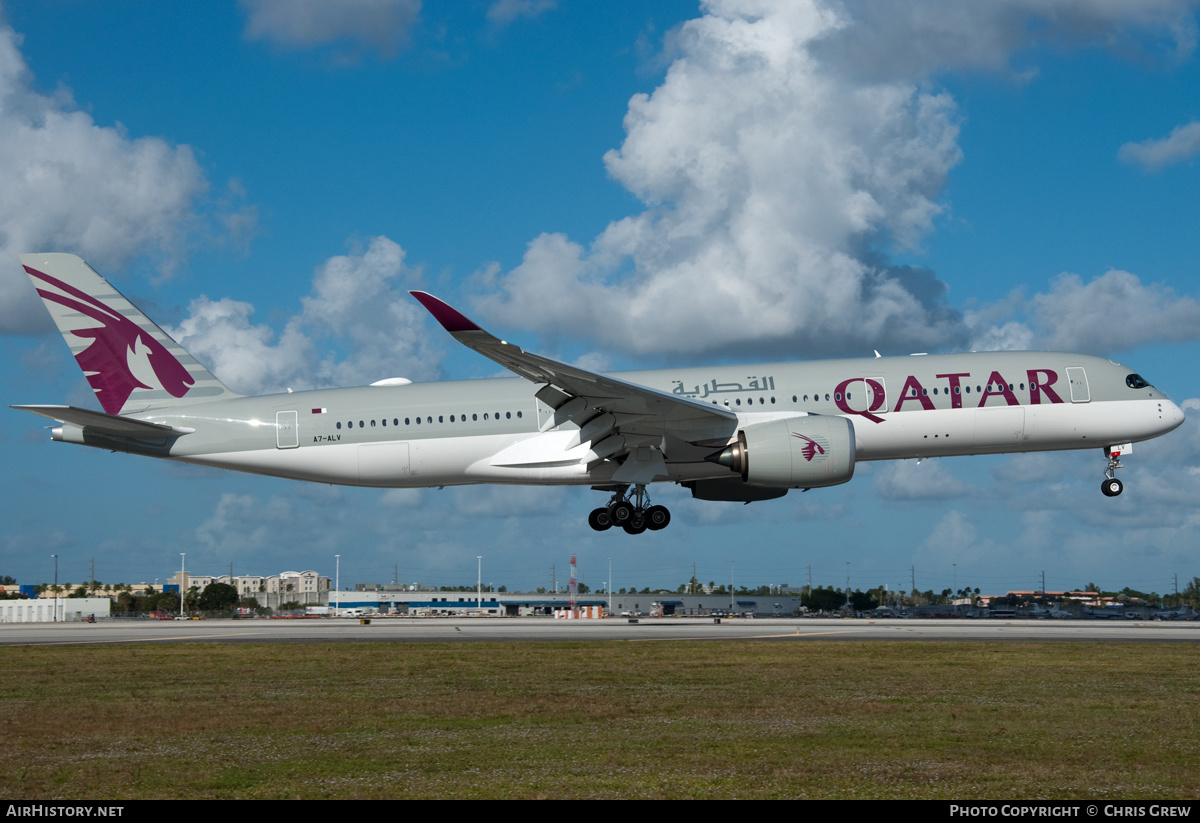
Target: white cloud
(357, 325)
(1111, 313)
(71, 185)
(765, 177)
(954, 530)
(892, 39)
(790, 145)
(502, 501)
(503, 12)
(242, 524)
(1153, 155)
(918, 480)
(298, 24)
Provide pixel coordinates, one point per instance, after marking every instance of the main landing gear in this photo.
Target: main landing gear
(1111, 485)
(631, 512)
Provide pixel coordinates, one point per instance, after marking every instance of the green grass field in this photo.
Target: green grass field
(602, 719)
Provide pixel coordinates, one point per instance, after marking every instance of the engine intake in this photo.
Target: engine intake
(796, 453)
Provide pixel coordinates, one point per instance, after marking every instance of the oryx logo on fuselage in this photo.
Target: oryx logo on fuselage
(122, 356)
(811, 447)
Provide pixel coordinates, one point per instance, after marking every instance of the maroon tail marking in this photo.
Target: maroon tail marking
(105, 362)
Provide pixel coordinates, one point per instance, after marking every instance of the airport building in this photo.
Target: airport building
(306, 587)
(396, 600)
(55, 609)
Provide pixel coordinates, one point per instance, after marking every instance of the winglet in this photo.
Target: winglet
(451, 319)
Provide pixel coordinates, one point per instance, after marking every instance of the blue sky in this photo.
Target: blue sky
(621, 185)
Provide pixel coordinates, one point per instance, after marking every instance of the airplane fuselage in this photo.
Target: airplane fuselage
(728, 433)
(498, 431)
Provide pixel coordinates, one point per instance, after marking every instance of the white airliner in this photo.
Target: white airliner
(733, 433)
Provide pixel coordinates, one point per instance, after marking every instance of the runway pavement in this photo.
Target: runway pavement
(409, 630)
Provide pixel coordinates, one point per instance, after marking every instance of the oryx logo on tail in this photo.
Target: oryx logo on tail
(122, 356)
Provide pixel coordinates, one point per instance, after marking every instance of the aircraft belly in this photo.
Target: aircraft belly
(386, 464)
(336, 464)
(1002, 429)
(935, 433)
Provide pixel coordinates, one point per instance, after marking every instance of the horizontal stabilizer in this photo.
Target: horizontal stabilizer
(102, 423)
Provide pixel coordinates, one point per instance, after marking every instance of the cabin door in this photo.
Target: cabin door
(1079, 384)
(287, 430)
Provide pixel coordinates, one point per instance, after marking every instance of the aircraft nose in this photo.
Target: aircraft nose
(1171, 415)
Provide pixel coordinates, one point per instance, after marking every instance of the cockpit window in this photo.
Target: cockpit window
(1135, 381)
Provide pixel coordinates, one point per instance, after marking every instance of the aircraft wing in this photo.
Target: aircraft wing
(639, 408)
(102, 423)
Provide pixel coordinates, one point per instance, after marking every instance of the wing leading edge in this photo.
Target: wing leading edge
(639, 410)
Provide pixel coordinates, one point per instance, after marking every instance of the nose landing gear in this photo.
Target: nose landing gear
(1111, 485)
(631, 512)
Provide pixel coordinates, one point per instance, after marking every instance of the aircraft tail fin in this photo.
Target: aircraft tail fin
(130, 362)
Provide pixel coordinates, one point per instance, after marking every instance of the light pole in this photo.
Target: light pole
(610, 584)
(55, 556)
(479, 584)
(337, 582)
(182, 564)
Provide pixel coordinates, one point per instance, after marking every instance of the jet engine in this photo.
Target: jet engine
(798, 453)
(731, 489)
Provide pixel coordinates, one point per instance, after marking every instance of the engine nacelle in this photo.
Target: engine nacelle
(796, 453)
(731, 490)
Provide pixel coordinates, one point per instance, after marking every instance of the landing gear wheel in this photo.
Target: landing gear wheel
(600, 520)
(620, 512)
(1112, 487)
(657, 517)
(635, 526)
